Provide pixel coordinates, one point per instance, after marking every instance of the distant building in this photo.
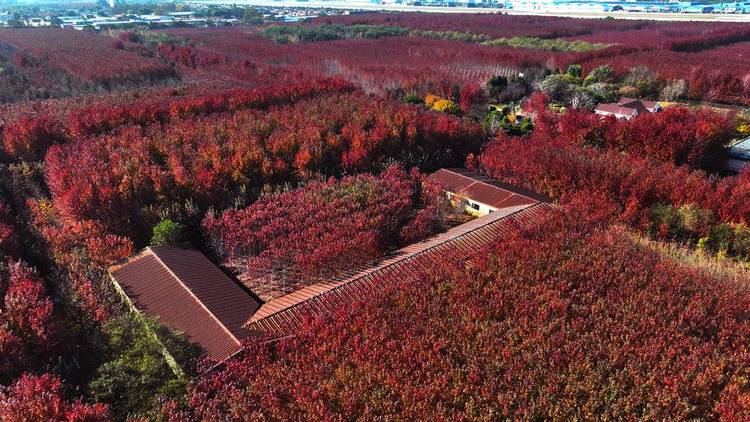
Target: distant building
(37, 22)
(627, 108)
(481, 194)
(739, 156)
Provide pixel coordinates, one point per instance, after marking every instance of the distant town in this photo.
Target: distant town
(116, 14)
(139, 15)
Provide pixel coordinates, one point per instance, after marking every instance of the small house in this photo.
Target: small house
(188, 293)
(481, 194)
(627, 108)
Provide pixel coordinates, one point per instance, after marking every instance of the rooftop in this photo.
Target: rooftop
(486, 190)
(616, 109)
(189, 294)
(628, 107)
(741, 149)
(284, 316)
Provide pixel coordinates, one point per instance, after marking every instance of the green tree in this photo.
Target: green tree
(167, 232)
(558, 87)
(252, 16)
(575, 70)
(644, 81)
(137, 373)
(495, 86)
(600, 74)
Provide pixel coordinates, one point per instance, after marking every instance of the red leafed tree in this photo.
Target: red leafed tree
(559, 169)
(29, 137)
(676, 135)
(328, 226)
(83, 248)
(733, 197)
(124, 180)
(41, 398)
(27, 307)
(28, 331)
(8, 239)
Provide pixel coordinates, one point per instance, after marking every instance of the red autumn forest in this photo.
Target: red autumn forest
(295, 155)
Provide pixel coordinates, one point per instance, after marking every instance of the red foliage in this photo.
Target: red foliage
(675, 135)
(27, 307)
(83, 248)
(381, 66)
(27, 328)
(327, 226)
(733, 198)
(27, 138)
(102, 119)
(211, 161)
(495, 25)
(86, 55)
(558, 314)
(40, 398)
(470, 95)
(705, 41)
(558, 169)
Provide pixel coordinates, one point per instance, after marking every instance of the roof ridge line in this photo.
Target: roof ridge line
(195, 298)
(406, 258)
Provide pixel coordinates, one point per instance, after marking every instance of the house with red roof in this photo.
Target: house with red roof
(627, 108)
(480, 194)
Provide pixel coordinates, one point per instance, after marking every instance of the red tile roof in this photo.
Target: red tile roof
(283, 316)
(188, 293)
(616, 109)
(628, 107)
(484, 189)
(638, 104)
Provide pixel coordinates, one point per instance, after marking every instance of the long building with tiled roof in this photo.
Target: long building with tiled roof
(283, 316)
(187, 292)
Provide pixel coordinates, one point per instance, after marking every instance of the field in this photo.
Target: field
(294, 154)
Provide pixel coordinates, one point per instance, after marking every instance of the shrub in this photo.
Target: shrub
(495, 86)
(696, 220)
(413, 99)
(600, 74)
(608, 318)
(356, 219)
(167, 232)
(446, 106)
(645, 82)
(574, 70)
(41, 398)
(431, 99)
(674, 90)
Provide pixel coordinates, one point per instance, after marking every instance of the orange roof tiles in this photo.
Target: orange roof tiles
(486, 190)
(283, 316)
